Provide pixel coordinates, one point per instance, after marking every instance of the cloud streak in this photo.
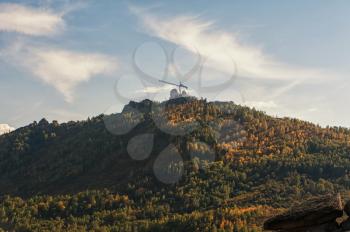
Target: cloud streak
(221, 47)
(62, 69)
(30, 21)
(154, 89)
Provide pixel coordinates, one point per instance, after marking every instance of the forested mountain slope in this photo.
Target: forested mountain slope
(233, 165)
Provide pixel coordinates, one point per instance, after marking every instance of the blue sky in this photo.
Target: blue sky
(69, 60)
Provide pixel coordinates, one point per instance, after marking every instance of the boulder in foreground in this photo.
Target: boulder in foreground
(314, 212)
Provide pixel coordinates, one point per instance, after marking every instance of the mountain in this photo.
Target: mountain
(180, 165)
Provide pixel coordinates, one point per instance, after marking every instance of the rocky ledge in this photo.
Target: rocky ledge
(318, 214)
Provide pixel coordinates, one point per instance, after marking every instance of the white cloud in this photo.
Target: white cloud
(221, 47)
(30, 21)
(62, 69)
(5, 128)
(155, 89)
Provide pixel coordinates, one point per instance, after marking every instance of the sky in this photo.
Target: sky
(70, 60)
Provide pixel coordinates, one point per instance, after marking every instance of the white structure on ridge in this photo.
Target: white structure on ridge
(174, 93)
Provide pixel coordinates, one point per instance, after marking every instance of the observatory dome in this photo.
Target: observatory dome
(174, 94)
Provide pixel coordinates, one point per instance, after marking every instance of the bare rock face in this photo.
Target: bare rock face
(315, 214)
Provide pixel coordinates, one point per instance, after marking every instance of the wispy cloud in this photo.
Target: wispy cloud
(5, 128)
(30, 21)
(62, 69)
(221, 47)
(154, 89)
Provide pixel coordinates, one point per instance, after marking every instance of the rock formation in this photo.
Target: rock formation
(317, 214)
